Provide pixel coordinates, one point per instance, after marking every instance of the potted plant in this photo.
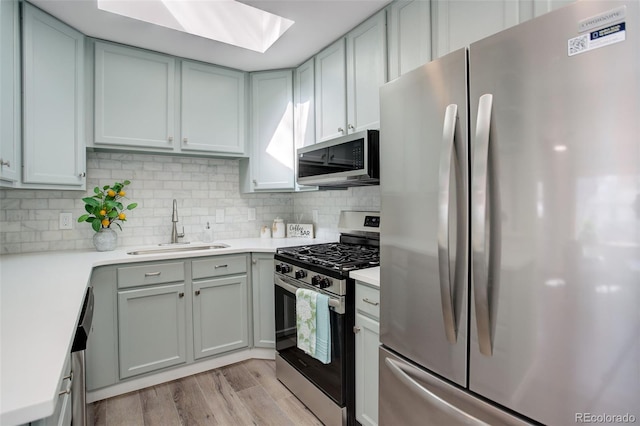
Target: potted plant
(104, 209)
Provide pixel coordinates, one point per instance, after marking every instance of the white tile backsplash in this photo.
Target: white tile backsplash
(29, 218)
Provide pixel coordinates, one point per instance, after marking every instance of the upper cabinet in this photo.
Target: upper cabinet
(272, 151)
(409, 35)
(304, 104)
(459, 23)
(213, 109)
(348, 76)
(366, 72)
(330, 96)
(456, 24)
(134, 98)
(540, 7)
(139, 104)
(9, 92)
(53, 107)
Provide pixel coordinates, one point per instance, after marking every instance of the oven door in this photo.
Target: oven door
(330, 378)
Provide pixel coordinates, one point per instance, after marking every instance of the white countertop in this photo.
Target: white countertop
(369, 276)
(41, 296)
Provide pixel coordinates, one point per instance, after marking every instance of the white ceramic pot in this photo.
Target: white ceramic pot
(106, 239)
(265, 232)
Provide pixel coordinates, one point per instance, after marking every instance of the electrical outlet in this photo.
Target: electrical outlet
(315, 217)
(219, 215)
(252, 213)
(66, 221)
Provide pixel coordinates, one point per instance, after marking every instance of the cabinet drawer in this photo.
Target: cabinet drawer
(218, 266)
(368, 300)
(133, 276)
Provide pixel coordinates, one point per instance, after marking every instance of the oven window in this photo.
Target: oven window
(327, 377)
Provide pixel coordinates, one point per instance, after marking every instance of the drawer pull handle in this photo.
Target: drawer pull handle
(365, 300)
(152, 274)
(356, 329)
(197, 292)
(220, 266)
(180, 294)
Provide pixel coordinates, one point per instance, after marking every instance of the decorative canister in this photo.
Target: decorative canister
(278, 228)
(265, 232)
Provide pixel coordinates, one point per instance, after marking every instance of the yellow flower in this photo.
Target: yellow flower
(111, 193)
(122, 216)
(105, 222)
(122, 193)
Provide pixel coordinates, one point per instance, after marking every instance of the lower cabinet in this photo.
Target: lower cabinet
(264, 328)
(62, 412)
(219, 315)
(151, 328)
(367, 329)
(151, 316)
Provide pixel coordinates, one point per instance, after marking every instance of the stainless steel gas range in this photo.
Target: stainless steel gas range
(328, 390)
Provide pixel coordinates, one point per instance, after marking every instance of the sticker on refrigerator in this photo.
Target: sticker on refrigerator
(596, 39)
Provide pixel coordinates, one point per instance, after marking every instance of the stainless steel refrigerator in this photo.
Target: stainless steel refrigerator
(510, 239)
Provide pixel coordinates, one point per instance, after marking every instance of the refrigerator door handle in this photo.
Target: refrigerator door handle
(402, 373)
(444, 176)
(480, 250)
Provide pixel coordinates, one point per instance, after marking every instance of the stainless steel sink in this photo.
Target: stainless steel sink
(177, 249)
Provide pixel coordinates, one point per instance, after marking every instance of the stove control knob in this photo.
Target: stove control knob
(301, 273)
(315, 281)
(279, 268)
(285, 269)
(325, 282)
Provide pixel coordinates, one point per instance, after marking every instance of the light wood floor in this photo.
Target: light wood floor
(246, 393)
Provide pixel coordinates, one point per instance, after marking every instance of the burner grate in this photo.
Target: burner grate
(337, 256)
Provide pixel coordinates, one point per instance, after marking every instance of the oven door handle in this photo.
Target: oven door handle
(292, 289)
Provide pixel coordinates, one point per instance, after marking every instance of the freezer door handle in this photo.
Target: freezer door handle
(481, 241)
(403, 373)
(444, 198)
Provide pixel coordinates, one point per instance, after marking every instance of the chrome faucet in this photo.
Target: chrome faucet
(174, 219)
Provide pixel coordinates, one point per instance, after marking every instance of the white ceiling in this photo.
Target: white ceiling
(317, 24)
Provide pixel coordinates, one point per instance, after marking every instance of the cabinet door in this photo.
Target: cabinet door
(367, 342)
(458, 23)
(264, 330)
(9, 91)
(220, 315)
(213, 109)
(151, 328)
(366, 72)
(53, 122)
(102, 344)
(272, 130)
(134, 97)
(330, 96)
(540, 7)
(304, 105)
(409, 36)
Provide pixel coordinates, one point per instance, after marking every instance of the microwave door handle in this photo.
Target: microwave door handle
(481, 241)
(444, 198)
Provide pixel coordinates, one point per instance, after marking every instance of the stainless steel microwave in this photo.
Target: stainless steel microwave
(350, 160)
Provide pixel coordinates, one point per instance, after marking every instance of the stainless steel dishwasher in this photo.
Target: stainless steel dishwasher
(78, 375)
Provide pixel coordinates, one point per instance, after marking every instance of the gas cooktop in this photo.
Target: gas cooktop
(336, 256)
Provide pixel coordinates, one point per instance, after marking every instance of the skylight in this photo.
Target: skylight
(227, 21)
